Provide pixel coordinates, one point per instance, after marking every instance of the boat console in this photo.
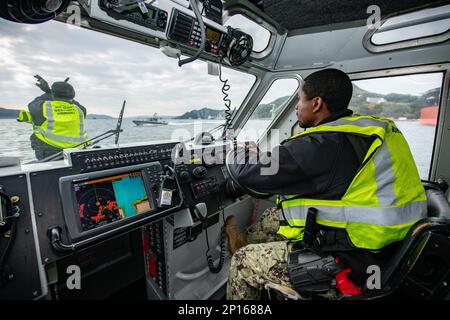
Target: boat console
(108, 209)
(161, 195)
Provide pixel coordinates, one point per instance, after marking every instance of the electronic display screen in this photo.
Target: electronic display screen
(212, 35)
(105, 200)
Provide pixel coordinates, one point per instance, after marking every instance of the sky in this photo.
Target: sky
(411, 84)
(105, 70)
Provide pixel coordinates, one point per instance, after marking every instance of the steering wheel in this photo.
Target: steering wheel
(235, 183)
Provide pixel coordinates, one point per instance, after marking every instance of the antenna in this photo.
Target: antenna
(119, 122)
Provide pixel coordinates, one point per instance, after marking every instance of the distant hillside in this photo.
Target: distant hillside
(266, 111)
(391, 105)
(204, 113)
(263, 111)
(8, 113)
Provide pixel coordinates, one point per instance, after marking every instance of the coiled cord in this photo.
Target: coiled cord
(223, 248)
(223, 252)
(225, 88)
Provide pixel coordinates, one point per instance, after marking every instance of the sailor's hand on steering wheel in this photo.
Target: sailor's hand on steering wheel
(248, 145)
(230, 161)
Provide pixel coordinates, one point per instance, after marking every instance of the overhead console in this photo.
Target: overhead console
(174, 23)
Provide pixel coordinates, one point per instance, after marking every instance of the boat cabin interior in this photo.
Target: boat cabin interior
(167, 239)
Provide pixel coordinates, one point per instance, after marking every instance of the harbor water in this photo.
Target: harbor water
(15, 139)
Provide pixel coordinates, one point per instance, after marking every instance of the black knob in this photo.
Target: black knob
(184, 175)
(161, 23)
(200, 172)
(162, 15)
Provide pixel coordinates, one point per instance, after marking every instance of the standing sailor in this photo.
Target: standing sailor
(58, 120)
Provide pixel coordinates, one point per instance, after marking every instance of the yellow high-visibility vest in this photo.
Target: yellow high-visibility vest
(64, 125)
(24, 116)
(384, 199)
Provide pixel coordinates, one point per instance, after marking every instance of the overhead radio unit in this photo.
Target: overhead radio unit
(229, 43)
(185, 30)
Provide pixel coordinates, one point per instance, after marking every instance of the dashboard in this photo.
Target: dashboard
(97, 198)
(102, 193)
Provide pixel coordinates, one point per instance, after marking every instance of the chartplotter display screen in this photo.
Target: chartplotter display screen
(105, 200)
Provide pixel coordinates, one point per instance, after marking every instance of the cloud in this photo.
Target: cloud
(105, 70)
(415, 84)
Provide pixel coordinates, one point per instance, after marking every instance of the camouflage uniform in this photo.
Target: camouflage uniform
(263, 260)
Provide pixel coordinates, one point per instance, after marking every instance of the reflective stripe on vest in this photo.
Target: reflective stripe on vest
(48, 131)
(383, 216)
(384, 198)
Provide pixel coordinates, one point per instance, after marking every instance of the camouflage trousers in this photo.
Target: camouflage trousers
(263, 260)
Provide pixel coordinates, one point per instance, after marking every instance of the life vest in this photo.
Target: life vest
(64, 125)
(384, 199)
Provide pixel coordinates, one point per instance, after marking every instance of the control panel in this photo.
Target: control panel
(138, 12)
(154, 254)
(186, 30)
(101, 159)
(201, 184)
(200, 180)
(205, 187)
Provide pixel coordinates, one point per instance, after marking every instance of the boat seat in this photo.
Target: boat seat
(420, 267)
(438, 205)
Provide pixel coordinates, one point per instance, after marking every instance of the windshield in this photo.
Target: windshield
(164, 101)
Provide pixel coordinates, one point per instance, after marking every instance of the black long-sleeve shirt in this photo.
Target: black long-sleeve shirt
(318, 165)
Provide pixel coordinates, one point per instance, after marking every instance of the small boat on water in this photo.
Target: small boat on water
(154, 120)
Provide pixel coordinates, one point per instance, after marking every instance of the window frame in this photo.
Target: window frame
(256, 55)
(255, 23)
(440, 126)
(257, 102)
(404, 44)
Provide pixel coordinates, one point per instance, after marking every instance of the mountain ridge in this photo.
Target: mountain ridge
(392, 105)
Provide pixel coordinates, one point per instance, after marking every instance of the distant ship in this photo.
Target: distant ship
(151, 120)
(428, 115)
